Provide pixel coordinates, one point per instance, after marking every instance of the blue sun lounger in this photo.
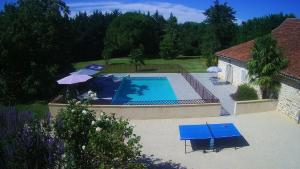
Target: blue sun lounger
(209, 132)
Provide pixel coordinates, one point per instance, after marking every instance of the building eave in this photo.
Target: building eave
(295, 79)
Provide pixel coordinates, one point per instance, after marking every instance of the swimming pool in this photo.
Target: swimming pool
(143, 90)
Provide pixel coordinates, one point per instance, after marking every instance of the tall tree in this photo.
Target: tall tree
(127, 31)
(265, 65)
(88, 34)
(136, 56)
(34, 43)
(160, 24)
(169, 44)
(190, 38)
(221, 18)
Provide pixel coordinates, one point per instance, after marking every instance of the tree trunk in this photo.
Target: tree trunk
(264, 92)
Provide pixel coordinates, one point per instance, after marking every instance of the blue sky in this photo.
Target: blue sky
(185, 10)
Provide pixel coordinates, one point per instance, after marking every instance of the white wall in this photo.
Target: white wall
(222, 64)
(236, 73)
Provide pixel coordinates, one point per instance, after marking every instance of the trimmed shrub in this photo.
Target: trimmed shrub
(211, 60)
(245, 92)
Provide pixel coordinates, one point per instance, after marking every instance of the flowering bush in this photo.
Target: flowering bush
(90, 142)
(26, 142)
(92, 95)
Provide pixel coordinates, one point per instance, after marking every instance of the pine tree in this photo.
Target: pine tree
(169, 44)
(221, 18)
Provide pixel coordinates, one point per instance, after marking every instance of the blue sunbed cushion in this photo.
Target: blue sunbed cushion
(94, 67)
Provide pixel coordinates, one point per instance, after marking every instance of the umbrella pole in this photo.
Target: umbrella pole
(67, 93)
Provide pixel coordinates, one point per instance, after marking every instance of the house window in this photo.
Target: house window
(244, 76)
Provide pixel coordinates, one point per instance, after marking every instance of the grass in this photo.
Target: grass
(190, 63)
(38, 108)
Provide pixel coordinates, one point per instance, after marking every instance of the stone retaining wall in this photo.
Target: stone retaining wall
(289, 101)
(151, 111)
(254, 106)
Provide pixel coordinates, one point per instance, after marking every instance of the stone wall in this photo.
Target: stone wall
(255, 106)
(289, 101)
(151, 111)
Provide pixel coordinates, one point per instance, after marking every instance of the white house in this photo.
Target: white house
(233, 61)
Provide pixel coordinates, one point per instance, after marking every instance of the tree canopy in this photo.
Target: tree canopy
(221, 19)
(34, 45)
(170, 42)
(129, 30)
(88, 32)
(259, 26)
(190, 38)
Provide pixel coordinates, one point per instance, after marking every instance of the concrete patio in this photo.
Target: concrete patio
(273, 142)
(220, 89)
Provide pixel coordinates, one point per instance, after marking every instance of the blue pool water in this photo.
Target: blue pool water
(135, 90)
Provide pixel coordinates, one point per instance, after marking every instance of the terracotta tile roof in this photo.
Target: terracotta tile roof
(241, 52)
(288, 39)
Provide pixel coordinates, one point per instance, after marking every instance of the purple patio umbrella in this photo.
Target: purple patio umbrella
(73, 79)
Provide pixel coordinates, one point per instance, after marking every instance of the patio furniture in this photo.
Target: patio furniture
(214, 69)
(106, 75)
(85, 72)
(119, 77)
(73, 79)
(94, 67)
(208, 132)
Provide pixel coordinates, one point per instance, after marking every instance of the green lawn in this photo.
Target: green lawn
(190, 63)
(38, 108)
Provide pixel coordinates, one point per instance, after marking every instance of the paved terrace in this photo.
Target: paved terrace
(273, 143)
(218, 88)
(182, 89)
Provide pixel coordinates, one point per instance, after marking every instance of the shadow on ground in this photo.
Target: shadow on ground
(155, 163)
(219, 144)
